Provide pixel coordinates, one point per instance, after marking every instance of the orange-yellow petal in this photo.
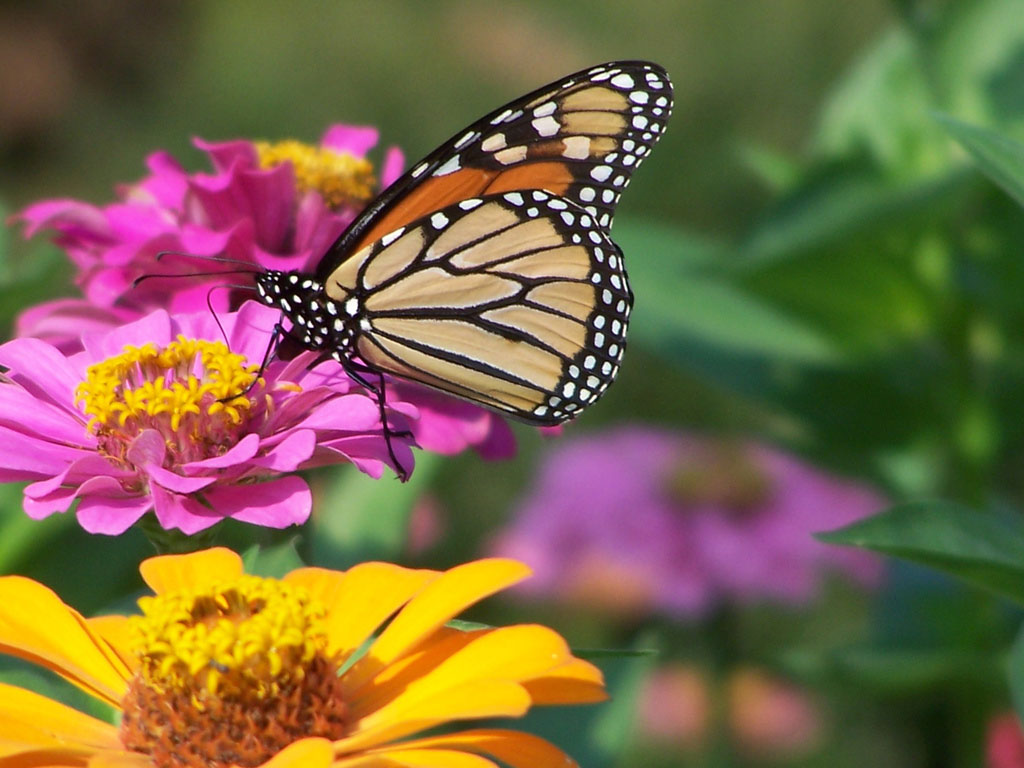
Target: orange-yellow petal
(322, 584)
(173, 573)
(513, 748)
(37, 626)
(516, 653)
(30, 722)
(115, 630)
(440, 600)
(121, 758)
(575, 682)
(366, 597)
(432, 758)
(306, 753)
(406, 715)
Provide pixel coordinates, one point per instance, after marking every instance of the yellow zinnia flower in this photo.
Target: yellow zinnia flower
(319, 668)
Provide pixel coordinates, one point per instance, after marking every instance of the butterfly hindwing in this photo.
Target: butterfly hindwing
(579, 138)
(517, 301)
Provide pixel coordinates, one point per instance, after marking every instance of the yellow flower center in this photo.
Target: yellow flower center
(189, 391)
(230, 675)
(340, 178)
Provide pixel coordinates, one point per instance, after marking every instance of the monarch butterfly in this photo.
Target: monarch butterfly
(487, 271)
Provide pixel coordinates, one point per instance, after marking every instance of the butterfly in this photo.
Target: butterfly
(488, 271)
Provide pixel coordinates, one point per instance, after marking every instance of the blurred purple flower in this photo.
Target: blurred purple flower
(640, 519)
(141, 420)
(277, 205)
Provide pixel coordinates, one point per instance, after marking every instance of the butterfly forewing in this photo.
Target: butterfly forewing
(517, 301)
(579, 138)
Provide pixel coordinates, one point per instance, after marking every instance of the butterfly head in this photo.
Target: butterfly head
(314, 317)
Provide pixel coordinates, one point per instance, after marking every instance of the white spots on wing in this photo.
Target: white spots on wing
(500, 118)
(623, 81)
(568, 218)
(493, 142)
(390, 237)
(515, 198)
(293, 279)
(466, 138)
(558, 205)
(439, 220)
(546, 126)
(600, 172)
(639, 97)
(419, 169)
(511, 155)
(545, 109)
(470, 204)
(587, 194)
(576, 147)
(450, 165)
(352, 307)
(639, 121)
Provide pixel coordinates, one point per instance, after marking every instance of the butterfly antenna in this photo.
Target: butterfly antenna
(215, 273)
(204, 257)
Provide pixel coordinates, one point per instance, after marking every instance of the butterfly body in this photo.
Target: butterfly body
(488, 270)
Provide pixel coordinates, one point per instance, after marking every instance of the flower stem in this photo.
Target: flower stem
(174, 542)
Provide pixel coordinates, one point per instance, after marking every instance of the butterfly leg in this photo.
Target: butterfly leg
(379, 392)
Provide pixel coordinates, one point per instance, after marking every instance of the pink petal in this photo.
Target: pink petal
(111, 515)
(391, 171)
(25, 413)
(348, 413)
(276, 504)
(147, 449)
(62, 322)
(168, 181)
(354, 139)
(182, 512)
(41, 370)
(155, 327)
(226, 154)
(172, 481)
(288, 455)
(240, 453)
(67, 215)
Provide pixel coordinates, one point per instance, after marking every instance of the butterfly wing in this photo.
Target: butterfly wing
(516, 301)
(579, 138)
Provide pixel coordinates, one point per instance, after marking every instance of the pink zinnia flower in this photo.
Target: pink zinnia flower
(159, 415)
(1004, 746)
(274, 205)
(639, 519)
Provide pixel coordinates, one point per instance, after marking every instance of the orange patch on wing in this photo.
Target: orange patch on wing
(552, 176)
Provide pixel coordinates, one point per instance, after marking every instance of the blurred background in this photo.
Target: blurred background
(828, 320)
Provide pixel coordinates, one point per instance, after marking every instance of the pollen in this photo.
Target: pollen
(230, 675)
(192, 392)
(341, 179)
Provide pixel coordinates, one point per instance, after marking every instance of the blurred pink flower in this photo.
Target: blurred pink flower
(274, 205)
(156, 415)
(771, 717)
(638, 519)
(676, 706)
(1004, 742)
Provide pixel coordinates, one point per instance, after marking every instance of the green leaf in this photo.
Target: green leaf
(998, 157)
(683, 302)
(273, 561)
(1015, 672)
(898, 671)
(984, 548)
(359, 518)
